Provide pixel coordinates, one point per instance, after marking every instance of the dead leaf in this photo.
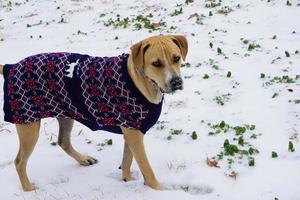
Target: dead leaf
(193, 15)
(155, 26)
(212, 163)
(290, 90)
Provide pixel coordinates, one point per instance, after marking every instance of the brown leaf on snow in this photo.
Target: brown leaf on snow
(155, 26)
(212, 163)
(290, 90)
(193, 15)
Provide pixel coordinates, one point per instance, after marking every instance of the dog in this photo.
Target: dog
(121, 94)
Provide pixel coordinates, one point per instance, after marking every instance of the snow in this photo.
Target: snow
(179, 162)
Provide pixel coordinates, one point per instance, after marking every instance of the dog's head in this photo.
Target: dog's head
(159, 59)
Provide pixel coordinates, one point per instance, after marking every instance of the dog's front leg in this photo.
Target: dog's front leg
(126, 164)
(134, 139)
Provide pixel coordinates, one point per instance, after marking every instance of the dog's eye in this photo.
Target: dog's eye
(176, 59)
(157, 64)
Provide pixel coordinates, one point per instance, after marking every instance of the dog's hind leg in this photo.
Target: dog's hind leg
(64, 141)
(1, 69)
(126, 164)
(28, 136)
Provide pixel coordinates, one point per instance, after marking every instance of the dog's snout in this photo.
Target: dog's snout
(176, 83)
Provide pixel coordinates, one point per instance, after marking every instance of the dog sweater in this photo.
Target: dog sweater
(95, 91)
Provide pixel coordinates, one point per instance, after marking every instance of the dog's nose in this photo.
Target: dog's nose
(176, 83)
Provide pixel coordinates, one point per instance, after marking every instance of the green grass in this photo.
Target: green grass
(107, 142)
(199, 19)
(274, 154)
(223, 127)
(296, 101)
(194, 135)
(238, 149)
(253, 46)
(287, 54)
(186, 65)
(291, 147)
(286, 79)
(213, 4)
(206, 76)
(176, 131)
(220, 100)
(251, 161)
(177, 12)
(228, 74)
(275, 95)
(224, 10)
(139, 22)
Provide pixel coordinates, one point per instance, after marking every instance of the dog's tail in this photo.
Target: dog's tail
(1, 69)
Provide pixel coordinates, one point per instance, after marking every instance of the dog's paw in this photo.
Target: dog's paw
(127, 178)
(87, 161)
(155, 186)
(29, 188)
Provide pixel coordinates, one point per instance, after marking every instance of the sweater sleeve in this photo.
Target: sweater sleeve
(152, 117)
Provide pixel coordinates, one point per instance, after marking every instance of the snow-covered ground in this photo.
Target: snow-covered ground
(241, 69)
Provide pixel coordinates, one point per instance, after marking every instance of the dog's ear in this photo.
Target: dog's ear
(138, 51)
(182, 43)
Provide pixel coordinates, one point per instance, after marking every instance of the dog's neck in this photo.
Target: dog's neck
(146, 87)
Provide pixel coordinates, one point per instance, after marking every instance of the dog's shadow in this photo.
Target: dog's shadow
(118, 175)
(193, 189)
(188, 188)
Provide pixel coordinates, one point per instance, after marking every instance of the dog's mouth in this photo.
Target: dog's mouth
(168, 90)
(154, 83)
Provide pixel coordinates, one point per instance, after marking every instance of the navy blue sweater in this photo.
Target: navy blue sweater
(96, 91)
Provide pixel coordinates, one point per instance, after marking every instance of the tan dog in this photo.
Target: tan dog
(154, 67)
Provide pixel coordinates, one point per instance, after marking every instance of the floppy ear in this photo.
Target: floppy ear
(137, 51)
(182, 43)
